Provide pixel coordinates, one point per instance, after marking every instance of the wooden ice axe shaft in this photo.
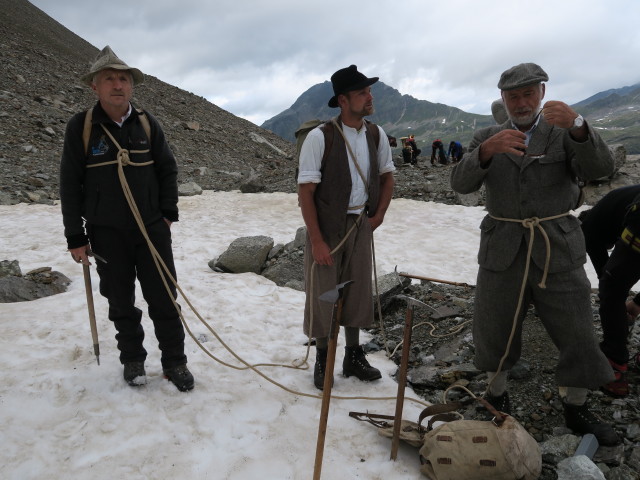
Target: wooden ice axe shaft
(334, 296)
(428, 279)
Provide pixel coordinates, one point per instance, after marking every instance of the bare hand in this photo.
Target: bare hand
(505, 141)
(375, 222)
(633, 310)
(322, 253)
(79, 254)
(559, 114)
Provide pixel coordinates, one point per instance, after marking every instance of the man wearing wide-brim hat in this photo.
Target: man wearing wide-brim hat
(112, 138)
(531, 247)
(345, 185)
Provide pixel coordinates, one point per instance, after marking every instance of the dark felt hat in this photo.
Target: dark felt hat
(521, 76)
(107, 59)
(347, 80)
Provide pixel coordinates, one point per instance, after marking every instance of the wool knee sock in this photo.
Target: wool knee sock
(497, 383)
(352, 336)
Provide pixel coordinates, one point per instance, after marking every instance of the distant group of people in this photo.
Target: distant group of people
(410, 151)
(532, 249)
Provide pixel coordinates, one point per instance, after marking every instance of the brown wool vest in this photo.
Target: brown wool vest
(333, 192)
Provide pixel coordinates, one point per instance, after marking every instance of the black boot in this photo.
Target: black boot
(319, 368)
(355, 363)
(134, 374)
(180, 376)
(581, 420)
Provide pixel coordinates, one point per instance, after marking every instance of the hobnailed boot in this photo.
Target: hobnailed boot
(355, 363)
(320, 367)
(581, 420)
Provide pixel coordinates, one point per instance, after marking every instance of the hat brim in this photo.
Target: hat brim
(138, 76)
(333, 101)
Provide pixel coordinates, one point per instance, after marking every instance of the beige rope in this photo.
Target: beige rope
(531, 224)
(122, 157)
(165, 273)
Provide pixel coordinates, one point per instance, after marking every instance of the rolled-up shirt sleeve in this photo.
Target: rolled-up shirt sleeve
(311, 154)
(385, 160)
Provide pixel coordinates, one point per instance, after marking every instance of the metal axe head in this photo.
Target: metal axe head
(332, 296)
(411, 302)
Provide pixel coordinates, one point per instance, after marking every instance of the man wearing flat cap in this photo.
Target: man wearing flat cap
(110, 149)
(345, 185)
(532, 250)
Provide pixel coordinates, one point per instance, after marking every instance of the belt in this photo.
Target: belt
(630, 239)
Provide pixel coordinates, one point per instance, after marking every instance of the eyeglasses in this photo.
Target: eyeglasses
(546, 147)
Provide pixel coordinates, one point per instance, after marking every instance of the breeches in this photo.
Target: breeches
(564, 308)
(351, 262)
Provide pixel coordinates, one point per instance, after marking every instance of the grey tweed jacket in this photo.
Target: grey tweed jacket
(524, 187)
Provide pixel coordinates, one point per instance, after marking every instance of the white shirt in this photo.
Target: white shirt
(312, 151)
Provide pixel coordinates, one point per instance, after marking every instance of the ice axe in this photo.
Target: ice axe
(332, 296)
(92, 312)
(428, 279)
(402, 373)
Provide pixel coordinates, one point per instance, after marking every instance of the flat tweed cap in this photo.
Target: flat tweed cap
(521, 76)
(107, 59)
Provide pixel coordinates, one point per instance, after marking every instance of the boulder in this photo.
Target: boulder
(245, 254)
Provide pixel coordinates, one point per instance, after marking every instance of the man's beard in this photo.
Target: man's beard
(365, 111)
(524, 120)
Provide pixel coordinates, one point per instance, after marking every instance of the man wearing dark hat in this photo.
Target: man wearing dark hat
(345, 186)
(532, 250)
(111, 139)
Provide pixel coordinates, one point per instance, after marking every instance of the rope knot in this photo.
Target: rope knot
(123, 157)
(530, 222)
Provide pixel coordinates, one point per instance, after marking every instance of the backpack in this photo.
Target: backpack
(86, 131)
(303, 130)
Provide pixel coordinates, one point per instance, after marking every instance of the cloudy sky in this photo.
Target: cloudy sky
(255, 58)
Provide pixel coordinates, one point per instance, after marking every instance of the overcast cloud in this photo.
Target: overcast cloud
(255, 58)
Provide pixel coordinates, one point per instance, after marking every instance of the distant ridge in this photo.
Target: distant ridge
(615, 113)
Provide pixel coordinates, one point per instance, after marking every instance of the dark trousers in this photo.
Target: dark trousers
(620, 273)
(128, 257)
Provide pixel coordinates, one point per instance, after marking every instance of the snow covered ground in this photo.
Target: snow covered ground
(62, 416)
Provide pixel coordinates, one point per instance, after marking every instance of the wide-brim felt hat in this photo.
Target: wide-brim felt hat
(347, 80)
(522, 75)
(107, 59)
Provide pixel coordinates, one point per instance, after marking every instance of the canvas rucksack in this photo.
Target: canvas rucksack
(86, 131)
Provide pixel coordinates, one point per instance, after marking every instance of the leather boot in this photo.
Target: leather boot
(319, 368)
(355, 363)
(581, 420)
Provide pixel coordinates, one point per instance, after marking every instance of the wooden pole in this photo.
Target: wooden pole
(402, 380)
(326, 389)
(92, 312)
(418, 277)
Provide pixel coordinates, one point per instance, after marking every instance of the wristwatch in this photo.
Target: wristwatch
(577, 122)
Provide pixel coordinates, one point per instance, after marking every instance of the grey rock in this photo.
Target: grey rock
(26, 288)
(189, 189)
(10, 268)
(287, 271)
(246, 254)
(580, 467)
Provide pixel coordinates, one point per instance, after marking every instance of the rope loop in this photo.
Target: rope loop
(123, 157)
(531, 222)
